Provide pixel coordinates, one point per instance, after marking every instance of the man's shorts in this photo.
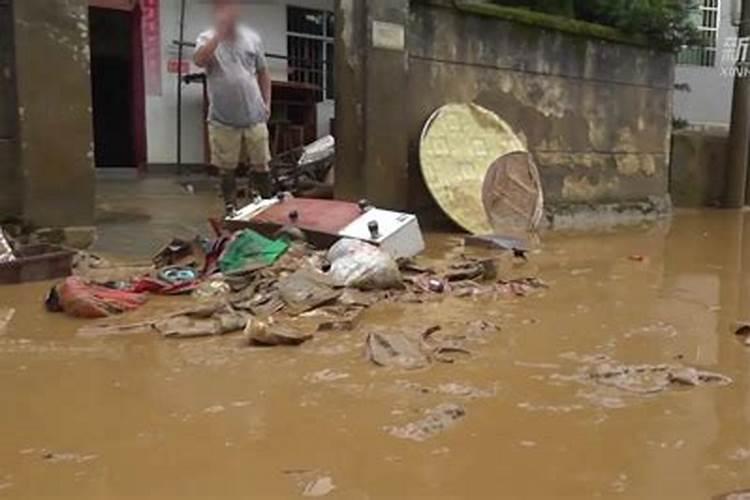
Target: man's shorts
(233, 146)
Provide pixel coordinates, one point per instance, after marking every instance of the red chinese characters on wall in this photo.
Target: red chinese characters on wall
(151, 46)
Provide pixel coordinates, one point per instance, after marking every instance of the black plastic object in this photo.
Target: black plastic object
(374, 228)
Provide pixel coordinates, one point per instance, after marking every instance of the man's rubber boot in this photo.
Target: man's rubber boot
(229, 192)
(263, 184)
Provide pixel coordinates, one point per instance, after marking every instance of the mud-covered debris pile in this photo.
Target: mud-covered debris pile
(271, 290)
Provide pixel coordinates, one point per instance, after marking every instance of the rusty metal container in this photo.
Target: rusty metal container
(37, 263)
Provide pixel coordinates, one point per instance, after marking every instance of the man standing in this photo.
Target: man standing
(239, 87)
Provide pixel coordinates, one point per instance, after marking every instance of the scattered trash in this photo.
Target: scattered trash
(735, 495)
(443, 350)
(435, 344)
(743, 333)
(306, 290)
(180, 252)
(311, 482)
(250, 250)
(395, 350)
(326, 375)
(432, 284)
(175, 280)
(450, 389)
(319, 487)
(337, 325)
(653, 379)
(483, 270)
(6, 251)
(116, 330)
(56, 457)
(203, 322)
(360, 265)
(212, 289)
(36, 263)
(322, 149)
(6, 316)
(178, 275)
(436, 420)
(99, 270)
(519, 247)
(268, 333)
(79, 298)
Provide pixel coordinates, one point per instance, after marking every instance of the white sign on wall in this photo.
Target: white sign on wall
(389, 36)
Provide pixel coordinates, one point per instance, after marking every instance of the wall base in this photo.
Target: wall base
(584, 216)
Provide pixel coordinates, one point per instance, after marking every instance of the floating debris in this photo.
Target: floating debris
(6, 316)
(319, 487)
(653, 379)
(436, 420)
(395, 350)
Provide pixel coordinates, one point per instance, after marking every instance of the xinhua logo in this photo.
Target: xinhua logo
(735, 57)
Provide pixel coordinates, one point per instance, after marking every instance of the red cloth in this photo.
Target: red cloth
(82, 299)
(153, 285)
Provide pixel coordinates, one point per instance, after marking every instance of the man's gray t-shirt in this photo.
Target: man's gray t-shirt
(234, 93)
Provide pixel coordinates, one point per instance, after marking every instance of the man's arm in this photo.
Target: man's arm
(206, 50)
(264, 81)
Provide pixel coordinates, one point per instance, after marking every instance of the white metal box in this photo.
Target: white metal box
(397, 233)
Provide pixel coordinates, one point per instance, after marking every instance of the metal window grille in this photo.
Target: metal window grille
(708, 19)
(310, 45)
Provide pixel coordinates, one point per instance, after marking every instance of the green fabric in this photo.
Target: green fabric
(250, 249)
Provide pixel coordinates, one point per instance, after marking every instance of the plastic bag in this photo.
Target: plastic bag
(250, 250)
(358, 264)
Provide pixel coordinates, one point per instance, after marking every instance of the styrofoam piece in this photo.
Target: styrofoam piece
(246, 213)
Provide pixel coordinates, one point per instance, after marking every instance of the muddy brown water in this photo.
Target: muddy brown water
(142, 417)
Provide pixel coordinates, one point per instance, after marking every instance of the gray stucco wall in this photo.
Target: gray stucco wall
(596, 115)
(54, 106)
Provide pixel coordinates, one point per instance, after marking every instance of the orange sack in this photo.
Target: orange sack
(82, 299)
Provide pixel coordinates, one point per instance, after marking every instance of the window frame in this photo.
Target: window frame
(704, 56)
(328, 29)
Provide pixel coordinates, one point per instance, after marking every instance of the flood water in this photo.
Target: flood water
(144, 417)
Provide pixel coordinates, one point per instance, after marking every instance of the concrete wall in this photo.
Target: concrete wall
(698, 168)
(54, 106)
(710, 99)
(11, 189)
(268, 18)
(596, 115)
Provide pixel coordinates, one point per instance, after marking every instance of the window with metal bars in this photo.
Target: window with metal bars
(708, 20)
(310, 45)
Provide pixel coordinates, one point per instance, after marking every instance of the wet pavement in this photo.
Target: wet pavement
(145, 417)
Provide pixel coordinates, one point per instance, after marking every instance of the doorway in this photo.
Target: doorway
(117, 87)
